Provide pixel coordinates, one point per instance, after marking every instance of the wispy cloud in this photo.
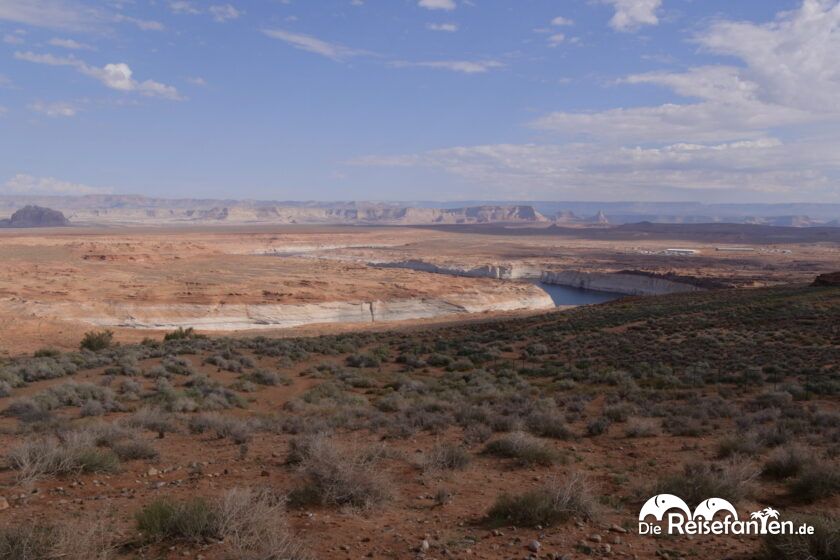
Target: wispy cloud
(630, 15)
(450, 27)
(31, 185)
(69, 44)
(54, 14)
(118, 76)
(312, 44)
(463, 66)
(56, 109)
(437, 4)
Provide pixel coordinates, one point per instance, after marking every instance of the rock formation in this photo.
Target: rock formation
(827, 279)
(620, 283)
(35, 216)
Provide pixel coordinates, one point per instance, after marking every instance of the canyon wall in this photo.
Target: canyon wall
(236, 317)
(497, 271)
(620, 283)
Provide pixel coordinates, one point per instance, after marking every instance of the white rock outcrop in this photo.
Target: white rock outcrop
(620, 283)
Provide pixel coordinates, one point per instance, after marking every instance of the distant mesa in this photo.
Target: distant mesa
(827, 279)
(35, 216)
(569, 217)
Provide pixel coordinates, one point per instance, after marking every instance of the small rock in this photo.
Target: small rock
(534, 546)
(595, 538)
(424, 546)
(152, 472)
(617, 529)
(4, 504)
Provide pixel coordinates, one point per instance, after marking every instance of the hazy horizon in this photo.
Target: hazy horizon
(423, 100)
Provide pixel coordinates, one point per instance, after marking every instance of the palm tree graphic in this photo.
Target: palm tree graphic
(764, 515)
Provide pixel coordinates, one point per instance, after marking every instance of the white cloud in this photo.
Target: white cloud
(450, 27)
(551, 171)
(312, 44)
(68, 44)
(13, 39)
(560, 20)
(720, 134)
(555, 39)
(142, 24)
(197, 81)
(224, 12)
(437, 4)
(27, 184)
(55, 14)
(57, 109)
(118, 76)
(630, 15)
(184, 7)
(463, 66)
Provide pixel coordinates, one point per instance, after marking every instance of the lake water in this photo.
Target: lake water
(566, 295)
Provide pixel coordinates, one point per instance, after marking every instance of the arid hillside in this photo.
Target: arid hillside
(533, 437)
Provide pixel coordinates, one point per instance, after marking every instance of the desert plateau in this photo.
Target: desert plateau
(419, 280)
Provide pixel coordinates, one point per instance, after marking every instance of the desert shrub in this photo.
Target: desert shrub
(237, 430)
(92, 408)
(743, 444)
(698, 481)
(638, 427)
(554, 503)
(618, 412)
(548, 424)
(182, 334)
(97, 340)
(822, 545)
(253, 524)
(5, 389)
(338, 475)
(163, 519)
(786, 462)
(446, 456)
(477, 433)
(265, 377)
(151, 419)
(816, 481)
(134, 449)
(75, 452)
(598, 426)
(526, 449)
(27, 542)
(88, 538)
(362, 361)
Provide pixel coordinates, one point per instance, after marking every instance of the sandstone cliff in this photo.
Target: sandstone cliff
(620, 283)
(35, 216)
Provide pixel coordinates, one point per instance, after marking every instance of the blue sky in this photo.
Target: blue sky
(422, 99)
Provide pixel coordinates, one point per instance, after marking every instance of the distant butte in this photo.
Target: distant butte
(35, 216)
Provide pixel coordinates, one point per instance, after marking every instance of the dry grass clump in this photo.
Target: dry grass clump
(641, 427)
(817, 481)
(85, 539)
(556, 502)
(732, 482)
(824, 544)
(335, 474)
(252, 523)
(785, 462)
(446, 457)
(525, 448)
(74, 452)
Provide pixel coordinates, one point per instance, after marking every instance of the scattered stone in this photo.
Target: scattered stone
(534, 546)
(4, 504)
(595, 538)
(617, 529)
(424, 546)
(152, 472)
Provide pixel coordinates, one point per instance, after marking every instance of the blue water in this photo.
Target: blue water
(566, 295)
